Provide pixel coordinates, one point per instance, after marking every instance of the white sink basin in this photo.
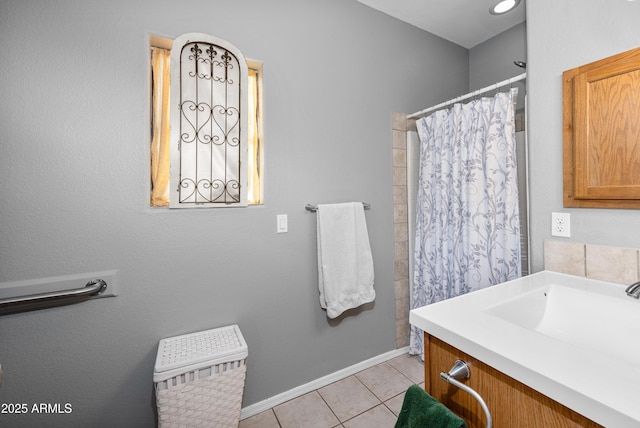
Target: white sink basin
(593, 318)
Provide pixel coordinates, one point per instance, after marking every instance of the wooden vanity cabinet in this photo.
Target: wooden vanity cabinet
(601, 133)
(511, 403)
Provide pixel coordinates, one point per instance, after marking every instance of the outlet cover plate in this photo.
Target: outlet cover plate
(561, 225)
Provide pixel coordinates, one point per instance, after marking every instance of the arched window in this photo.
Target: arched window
(214, 138)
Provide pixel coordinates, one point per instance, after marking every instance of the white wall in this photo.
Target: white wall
(559, 38)
(74, 186)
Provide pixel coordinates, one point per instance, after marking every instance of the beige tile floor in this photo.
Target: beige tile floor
(370, 398)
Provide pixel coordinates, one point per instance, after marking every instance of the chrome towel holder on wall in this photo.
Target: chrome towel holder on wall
(314, 208)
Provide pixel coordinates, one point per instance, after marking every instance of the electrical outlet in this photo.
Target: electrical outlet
(561, 225)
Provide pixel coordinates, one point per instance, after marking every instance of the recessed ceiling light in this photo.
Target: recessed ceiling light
(503, 6)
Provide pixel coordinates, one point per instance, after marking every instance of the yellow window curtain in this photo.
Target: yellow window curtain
(254, 192)
(160, 128)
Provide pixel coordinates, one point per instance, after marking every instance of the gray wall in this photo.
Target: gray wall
(492, 61)
(74, 185)
(562, 37)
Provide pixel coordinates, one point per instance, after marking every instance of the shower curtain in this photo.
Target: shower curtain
(467, 220)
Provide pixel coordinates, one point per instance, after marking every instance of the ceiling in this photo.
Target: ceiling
(464, 22)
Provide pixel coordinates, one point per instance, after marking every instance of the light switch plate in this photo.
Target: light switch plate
(282, 223)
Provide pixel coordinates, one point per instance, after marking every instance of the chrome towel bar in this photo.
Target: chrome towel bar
(314, 208)
(459, 370)
(54, 298)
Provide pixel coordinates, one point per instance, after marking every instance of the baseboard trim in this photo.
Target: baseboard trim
(263, 405)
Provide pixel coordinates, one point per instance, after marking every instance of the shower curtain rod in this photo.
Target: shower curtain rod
(469, 95)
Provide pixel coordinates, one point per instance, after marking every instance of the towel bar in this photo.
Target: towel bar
(314, 208)
(460, 369)
(55, 298)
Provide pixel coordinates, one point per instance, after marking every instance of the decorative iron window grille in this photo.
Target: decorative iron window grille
(209, 123)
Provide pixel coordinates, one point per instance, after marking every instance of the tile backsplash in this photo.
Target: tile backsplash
(603, 262)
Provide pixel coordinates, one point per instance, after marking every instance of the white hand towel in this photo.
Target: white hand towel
(345, 263)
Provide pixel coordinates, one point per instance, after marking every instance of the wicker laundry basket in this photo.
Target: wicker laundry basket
(199, 378)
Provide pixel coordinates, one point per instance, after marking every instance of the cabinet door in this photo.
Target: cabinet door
(602, 133)
(511, 403)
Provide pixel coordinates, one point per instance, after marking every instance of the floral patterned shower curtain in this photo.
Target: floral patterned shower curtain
(467, 223)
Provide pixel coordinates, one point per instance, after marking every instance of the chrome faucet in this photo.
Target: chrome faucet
(633, 290)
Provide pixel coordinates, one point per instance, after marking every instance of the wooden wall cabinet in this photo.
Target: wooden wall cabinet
(601, 135)
(511, 403)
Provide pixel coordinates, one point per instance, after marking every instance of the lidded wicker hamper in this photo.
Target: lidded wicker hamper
(199, 378)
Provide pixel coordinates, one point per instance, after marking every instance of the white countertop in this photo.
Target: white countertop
(597, 385)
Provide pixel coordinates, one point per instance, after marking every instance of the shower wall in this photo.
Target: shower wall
(401, 226)
(492, 61)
